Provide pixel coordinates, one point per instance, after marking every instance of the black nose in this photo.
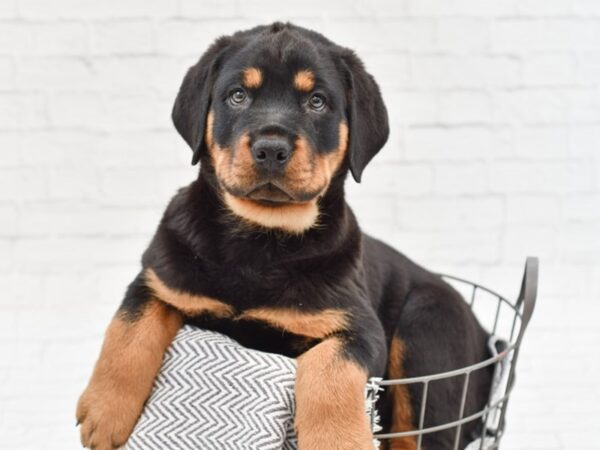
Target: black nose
(271, 153)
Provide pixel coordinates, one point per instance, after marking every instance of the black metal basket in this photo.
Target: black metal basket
(507, 321)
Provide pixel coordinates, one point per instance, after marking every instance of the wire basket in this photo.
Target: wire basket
(507, 321)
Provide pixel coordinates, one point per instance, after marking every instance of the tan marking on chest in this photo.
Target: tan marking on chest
(314, 325)
(190, 304)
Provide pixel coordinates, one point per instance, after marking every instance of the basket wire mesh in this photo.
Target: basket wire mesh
(506, 321)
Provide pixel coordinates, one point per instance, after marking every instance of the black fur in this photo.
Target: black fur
(199, 248)
(368, 119)
(191, 105)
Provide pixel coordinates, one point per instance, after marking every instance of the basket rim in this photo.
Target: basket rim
(467, 369)
(448, 374)
(488, 408)
(522, 308)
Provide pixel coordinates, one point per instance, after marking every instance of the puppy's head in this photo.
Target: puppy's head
(280, 113)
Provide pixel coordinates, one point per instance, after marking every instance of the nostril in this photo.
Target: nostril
(261, 155)
(282, 156)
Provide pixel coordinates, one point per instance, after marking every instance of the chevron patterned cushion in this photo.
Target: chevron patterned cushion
(214, 394)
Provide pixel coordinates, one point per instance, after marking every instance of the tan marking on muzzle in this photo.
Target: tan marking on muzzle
(243, 168)
(301, 174)
(221, 158)
(309, 171)
(306, 173)
(332, 161)
(234, 170)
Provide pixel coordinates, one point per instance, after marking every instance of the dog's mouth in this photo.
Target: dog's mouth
(269, 194)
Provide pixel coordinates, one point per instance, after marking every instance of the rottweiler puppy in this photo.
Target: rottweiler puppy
(263, 247)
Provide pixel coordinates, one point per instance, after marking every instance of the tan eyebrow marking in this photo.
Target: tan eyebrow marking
(304, 80)
(252, 77)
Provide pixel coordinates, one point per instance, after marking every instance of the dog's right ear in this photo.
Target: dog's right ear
(366, 111)
(193, 100)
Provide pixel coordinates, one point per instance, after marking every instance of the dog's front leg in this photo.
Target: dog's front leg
(130, 358)
(330, 390)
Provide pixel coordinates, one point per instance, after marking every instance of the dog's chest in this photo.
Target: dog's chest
(258, 318)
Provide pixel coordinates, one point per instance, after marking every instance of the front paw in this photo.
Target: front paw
(107, 417)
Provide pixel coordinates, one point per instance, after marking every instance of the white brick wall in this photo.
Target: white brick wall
(494, 155)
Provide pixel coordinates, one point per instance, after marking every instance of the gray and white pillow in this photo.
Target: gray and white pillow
(214, 394)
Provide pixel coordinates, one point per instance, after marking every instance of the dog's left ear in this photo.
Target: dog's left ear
(367, 115)
(193, 100)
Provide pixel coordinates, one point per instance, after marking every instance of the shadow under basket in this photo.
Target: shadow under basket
(506, 321)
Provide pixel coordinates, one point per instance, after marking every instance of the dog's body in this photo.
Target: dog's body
(263, 247)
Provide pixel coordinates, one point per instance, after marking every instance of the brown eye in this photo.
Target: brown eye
(316, 102)
(237, 96)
